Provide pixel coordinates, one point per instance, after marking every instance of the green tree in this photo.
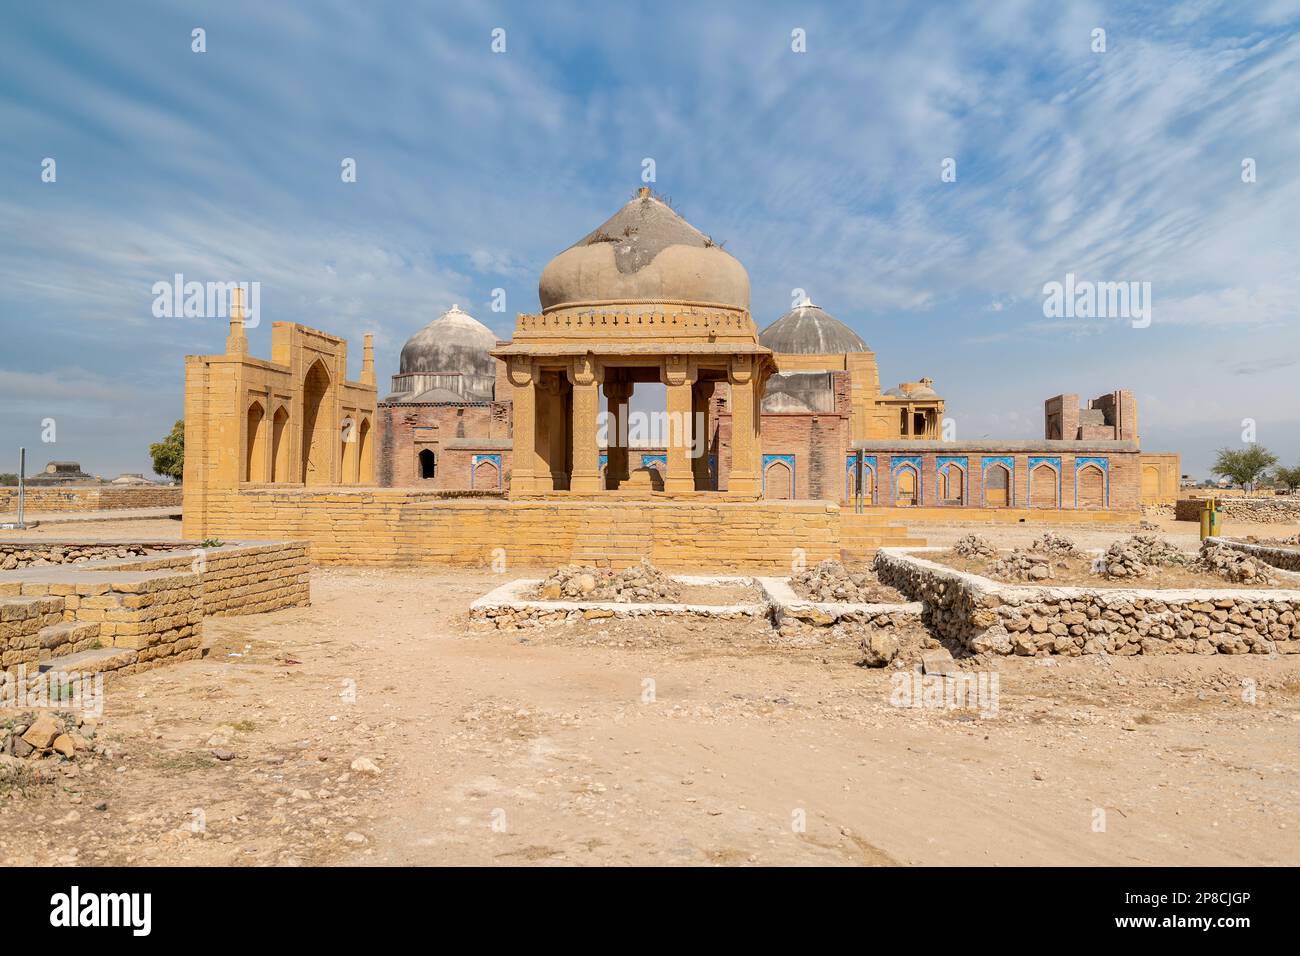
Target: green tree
(1244, 466)
(8, 478)
(1288, 478)
(169, 454)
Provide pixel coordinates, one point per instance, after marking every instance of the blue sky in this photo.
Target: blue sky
(819, 170)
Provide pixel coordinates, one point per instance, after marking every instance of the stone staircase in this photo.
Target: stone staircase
(862, 535)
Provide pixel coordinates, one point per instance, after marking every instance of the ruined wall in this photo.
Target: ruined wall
(988, 617)
(1263, 510)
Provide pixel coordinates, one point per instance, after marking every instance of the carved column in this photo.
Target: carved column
(584, 374)
(523, 398)
(746, 452)
(679, 376)
(616, 468)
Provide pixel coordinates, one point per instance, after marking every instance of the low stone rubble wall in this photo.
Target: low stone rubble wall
(1279, 556)
(25, 554)
(780, 610)
(1262, 510)
(794, 616)
(986, 616)
(507, 608)
(127, 614)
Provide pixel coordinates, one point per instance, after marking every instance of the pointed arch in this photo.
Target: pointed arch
(255, 449)
(317, 436)
(280, 445)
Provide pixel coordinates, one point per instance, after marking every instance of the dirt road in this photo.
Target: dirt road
(496, 749)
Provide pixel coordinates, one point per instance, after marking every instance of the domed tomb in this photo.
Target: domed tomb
(644, 252)
(809, 330)
(447, 360)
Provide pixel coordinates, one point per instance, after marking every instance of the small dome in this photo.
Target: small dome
(453, 342)
(809, 330)
(644, 251)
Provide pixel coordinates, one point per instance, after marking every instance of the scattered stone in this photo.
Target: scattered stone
(43, 731)
(879, 648)
(222, 754)
(1020, 565)
(939, 661)
(355, 839)
(63, 745)
(366, 765)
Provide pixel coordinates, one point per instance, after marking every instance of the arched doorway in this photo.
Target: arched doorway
(952, 485)
(1150, 483)
(486, 476)
(778, 481)
(1092, 487)
(280, 445)
(1043, 486)
(428, 464)
(907, 484)
(997, 486)
(365, 463)
(255, 456)
(316, 440)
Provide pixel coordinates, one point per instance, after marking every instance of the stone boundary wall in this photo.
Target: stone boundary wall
(1279, 556)
(793, 615)
(22, 554)
(1262, 510)
(506, 608)
(126, 614)
(398, 527)
(90, 498)
(986, 616)
(960, 516)
(781, 610)
(156, 616)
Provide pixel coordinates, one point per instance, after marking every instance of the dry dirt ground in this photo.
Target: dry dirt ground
(547, 748)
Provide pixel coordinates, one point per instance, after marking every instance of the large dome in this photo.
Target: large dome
(644, 251)
(809, 330)
(455, 342)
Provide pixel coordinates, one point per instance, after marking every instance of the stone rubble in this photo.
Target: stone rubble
(1020, 565)
(974, 546)
(641, 583)
(832, 583)
(1140, 555)
(1233, 565)
(1057, 545)
(47, 734)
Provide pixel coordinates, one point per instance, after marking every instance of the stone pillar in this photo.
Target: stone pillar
(679, 377)
(616, 468)
(746, 476)
(524, 402)
(701, 399)
(237, 340)
(368, 359)
(584, 374)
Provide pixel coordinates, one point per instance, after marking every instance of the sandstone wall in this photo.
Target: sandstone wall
(396, 527)
(91, 498)
(986, 616)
